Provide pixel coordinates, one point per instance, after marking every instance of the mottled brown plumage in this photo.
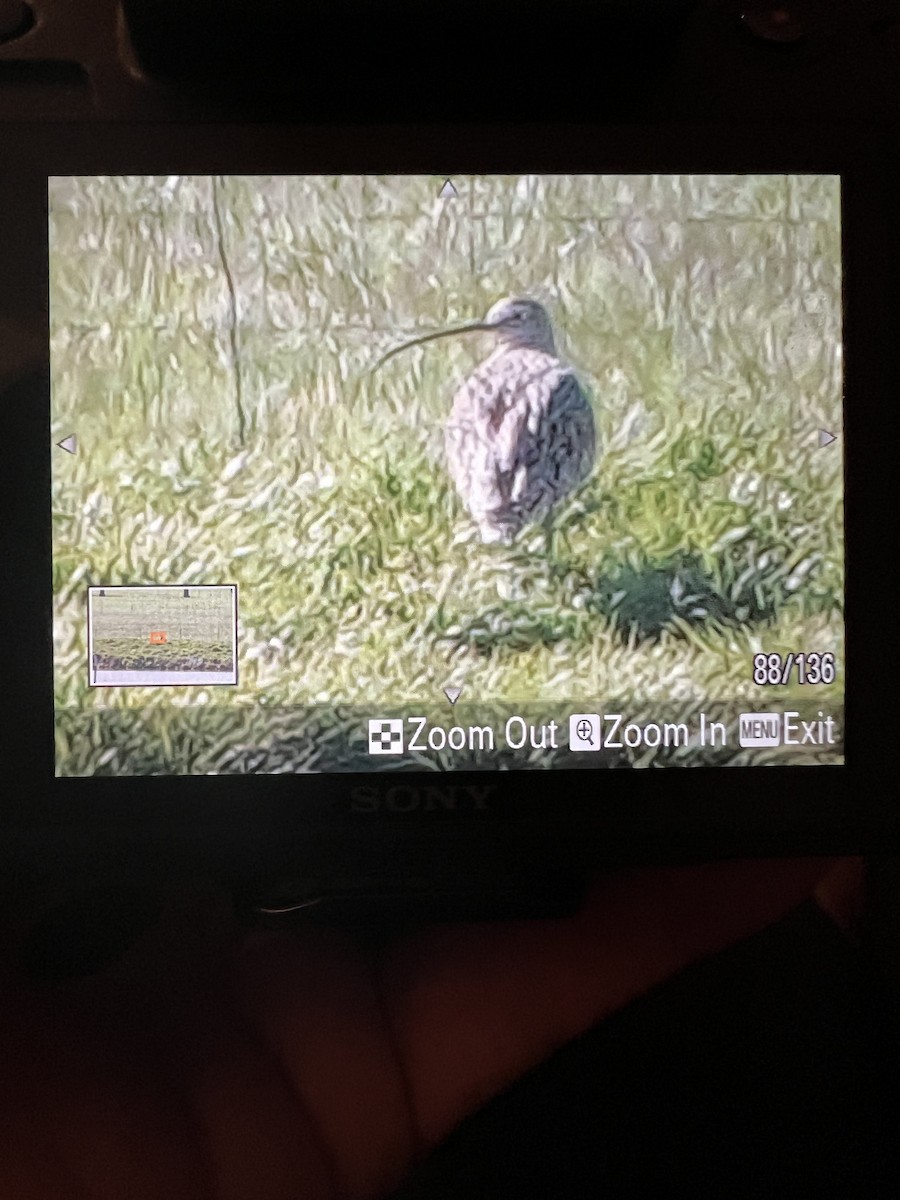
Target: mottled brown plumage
(521, 434)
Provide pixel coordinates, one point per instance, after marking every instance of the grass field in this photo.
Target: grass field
(212, 343)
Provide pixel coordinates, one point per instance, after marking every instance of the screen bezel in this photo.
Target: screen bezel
(731, 810)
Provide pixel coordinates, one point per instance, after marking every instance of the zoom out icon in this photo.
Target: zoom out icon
(584, 731)
(385, 736)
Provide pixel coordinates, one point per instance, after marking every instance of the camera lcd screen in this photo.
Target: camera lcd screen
(378, 473)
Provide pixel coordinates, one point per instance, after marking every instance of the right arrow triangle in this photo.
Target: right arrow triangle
(452, 694)
(448, 191)
(826, 438)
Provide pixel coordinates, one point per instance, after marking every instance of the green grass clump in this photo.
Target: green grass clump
(132, 654)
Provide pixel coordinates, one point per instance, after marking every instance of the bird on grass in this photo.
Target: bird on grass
(521, 435)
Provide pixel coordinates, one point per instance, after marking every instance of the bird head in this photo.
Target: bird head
(521, 322)
(516, 321)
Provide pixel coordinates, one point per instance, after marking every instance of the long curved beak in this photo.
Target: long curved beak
(474, 327)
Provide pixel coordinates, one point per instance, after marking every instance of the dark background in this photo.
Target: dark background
(769, 1071)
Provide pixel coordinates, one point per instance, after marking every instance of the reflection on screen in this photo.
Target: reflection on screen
(366, 473)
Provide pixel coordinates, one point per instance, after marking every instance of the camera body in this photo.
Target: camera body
(657, 61)
(481, 835)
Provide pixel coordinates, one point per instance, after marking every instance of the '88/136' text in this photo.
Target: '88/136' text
(770, 670)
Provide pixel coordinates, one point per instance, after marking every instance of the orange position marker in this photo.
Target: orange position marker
(158, 637)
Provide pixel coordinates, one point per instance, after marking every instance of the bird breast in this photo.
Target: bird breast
(520, 435)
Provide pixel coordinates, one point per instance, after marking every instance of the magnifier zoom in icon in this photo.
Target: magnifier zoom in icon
(584, 731)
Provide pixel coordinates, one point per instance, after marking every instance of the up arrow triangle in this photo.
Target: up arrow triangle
(448, 191)
(452, 694)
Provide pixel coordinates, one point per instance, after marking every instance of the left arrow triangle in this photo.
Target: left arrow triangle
(69, 443)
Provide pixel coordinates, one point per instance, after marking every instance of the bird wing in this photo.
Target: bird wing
(570, 420)
(543, 412)
(511, 420)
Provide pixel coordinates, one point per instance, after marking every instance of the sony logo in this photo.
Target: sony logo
(403, 798)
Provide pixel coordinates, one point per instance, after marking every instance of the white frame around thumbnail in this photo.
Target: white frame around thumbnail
(147, 677)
